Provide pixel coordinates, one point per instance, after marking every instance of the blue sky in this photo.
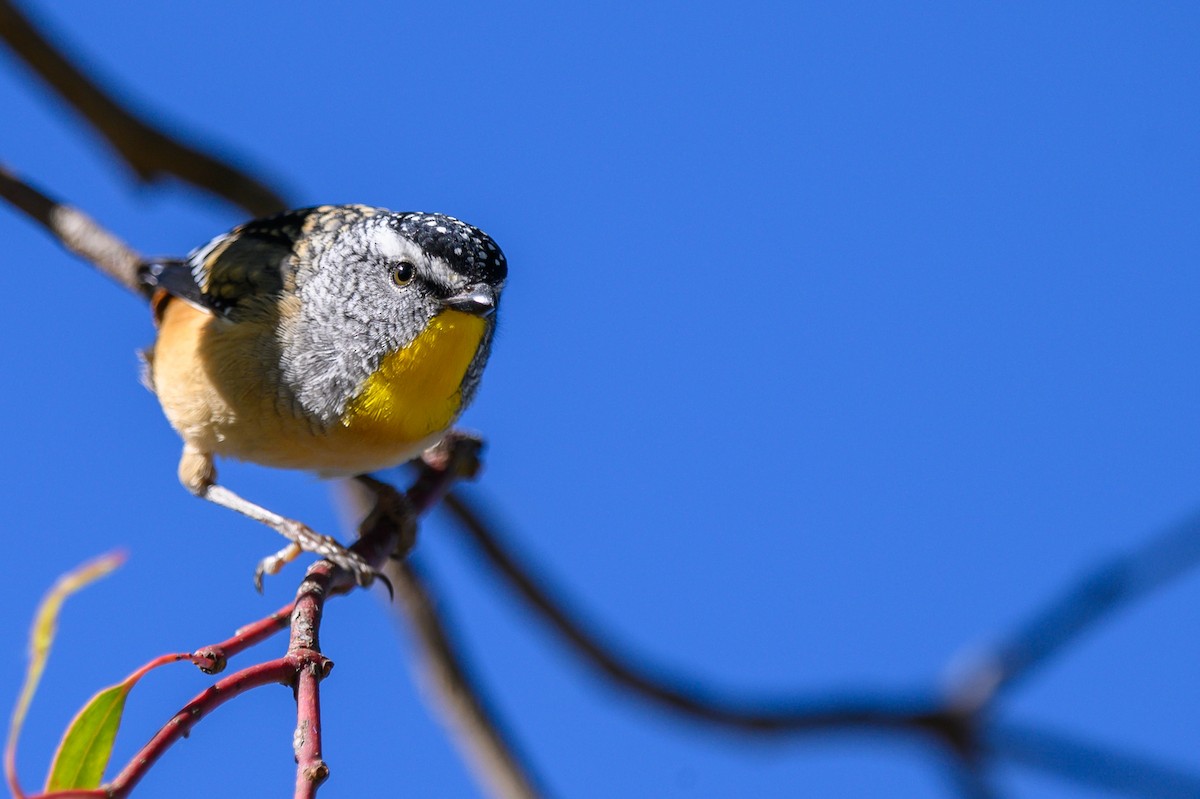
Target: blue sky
(837, 340)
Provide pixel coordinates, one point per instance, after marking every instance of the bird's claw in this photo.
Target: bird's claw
(304, 539)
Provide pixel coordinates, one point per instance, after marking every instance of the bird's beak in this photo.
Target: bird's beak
(478, 300)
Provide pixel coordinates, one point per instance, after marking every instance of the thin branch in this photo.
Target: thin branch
(1102, 592)
(75, 230)
(971, 780)
(1090, 764)
(213, 658)
(390, 527)
(476, 729)
(311, 770)
(295, 668)
(149, 152)
(965, 725)
(303, 666)
(304, 646)
(275, 671)
(701, 704)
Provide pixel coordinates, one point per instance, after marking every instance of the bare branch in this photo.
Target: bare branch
(793, 715)
(274, 671)
(971, 780)
(390, 527)
(475, 727)
(965, 727)
(304, 649)
(149, 152)
(1102, 592)
(476, 731)
(75, 230)
(1090, 764)
(311, 770)
(212, 659)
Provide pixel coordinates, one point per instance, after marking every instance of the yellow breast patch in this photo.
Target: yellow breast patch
(415, 391)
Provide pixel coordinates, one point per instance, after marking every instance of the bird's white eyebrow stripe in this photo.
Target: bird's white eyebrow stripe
(390, 243)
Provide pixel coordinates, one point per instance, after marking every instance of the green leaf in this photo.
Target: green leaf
(87, 745)
(41, 637)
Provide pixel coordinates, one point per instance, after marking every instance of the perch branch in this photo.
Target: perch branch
(390, 527)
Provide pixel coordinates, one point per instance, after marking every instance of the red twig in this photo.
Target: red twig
(302, 667)
(389, 529)
(212, 659)
(304, 643)
(275, 671)
(311, 770)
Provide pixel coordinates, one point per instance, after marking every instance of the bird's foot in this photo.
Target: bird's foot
(304, 539)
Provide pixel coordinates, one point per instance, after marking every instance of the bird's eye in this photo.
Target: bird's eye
(402, 272)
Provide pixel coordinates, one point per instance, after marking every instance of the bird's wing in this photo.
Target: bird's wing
(235, 274)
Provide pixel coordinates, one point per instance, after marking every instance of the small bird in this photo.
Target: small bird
(339, 339)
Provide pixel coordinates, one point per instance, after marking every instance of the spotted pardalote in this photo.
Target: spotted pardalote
(338, 339)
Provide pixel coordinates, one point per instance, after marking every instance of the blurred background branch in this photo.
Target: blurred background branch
(151, 153)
